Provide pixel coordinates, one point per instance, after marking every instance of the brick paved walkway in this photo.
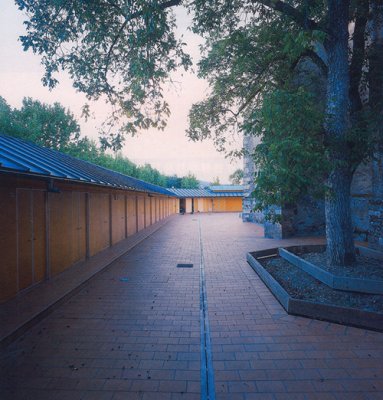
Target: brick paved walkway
(134, 331)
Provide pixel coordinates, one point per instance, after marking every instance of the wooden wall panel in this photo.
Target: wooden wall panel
(152, 211)
(24, 235)
(79, 226)
(39, 236)
(188, 206)
(99, 222)
(172, 206)
(204, 204)
(222, 207)
(31, 237)
(177, 205)
(132, 215)
(215, 205)
(234, 204)
(118, 218)
(8, 244)
(140, 213)
(60, 231)
(147, 211)
(157, 209)
(208, 204)
(67, 229)
(198, 205)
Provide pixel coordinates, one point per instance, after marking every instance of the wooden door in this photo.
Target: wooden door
(118, 218)
(78, 226)
(99, 222)
(31, 240)
(147, 211)
(39, 236)
(140, 212)
(131, 215)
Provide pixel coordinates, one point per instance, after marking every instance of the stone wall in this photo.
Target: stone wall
(375, 237)
(304, 219)
(248, 202)
(361, 194)
(307, 217)
(375, 215)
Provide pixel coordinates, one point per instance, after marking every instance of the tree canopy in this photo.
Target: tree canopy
(236, 177)
(120, 50)
(55, 127)
(253, 48)
(48, 125)
(189, 182)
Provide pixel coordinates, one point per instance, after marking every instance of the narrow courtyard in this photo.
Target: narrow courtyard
(145, 329)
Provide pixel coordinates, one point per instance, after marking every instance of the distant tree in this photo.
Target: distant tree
(5, 117)
(236, 177)
(55, 127)
(149, 174)
(173, 181)
(215, 181)
(85, 149)
(50, 126)
(189, 182)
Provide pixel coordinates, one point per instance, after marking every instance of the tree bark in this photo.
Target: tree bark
(340, 243)
(376, 57)
(339, 231)
(376, 69)
(358, 55)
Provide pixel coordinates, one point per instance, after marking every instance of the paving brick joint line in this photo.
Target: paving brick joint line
(207, 371)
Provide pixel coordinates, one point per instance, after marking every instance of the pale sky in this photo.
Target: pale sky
(170, 151)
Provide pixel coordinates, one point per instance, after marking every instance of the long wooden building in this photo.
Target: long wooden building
(216, 198)
(57, 211)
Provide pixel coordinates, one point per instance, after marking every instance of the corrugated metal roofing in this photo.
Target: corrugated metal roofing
(186, 193)
(23, 157)
(226, 188)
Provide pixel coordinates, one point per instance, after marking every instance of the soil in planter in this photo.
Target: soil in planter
(365, 267)
(303, 286)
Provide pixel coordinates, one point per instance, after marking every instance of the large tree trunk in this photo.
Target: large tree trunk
(340, 243)
(376, 57)
(339, 232)
(376, 68)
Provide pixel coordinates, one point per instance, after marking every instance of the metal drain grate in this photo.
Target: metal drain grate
(184, 265)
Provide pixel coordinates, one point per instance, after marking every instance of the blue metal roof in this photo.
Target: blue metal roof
(23, 157)
(184, 193)
(226, 188)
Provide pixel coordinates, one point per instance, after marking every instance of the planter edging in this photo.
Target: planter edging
(327, 312)
(338, 282)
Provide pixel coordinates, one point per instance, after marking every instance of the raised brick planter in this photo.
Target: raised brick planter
(321, 311)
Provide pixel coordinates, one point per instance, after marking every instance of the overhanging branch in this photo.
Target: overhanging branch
(293, 13)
